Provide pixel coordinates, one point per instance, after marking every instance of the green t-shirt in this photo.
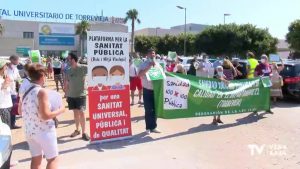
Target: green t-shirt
(76, 80)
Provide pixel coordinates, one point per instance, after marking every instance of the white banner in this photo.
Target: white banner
(108, 58)
(108, 85)
(176, 92)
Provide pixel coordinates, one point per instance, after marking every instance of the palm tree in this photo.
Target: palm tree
(133, 16)
(81, 30)
(1, 29)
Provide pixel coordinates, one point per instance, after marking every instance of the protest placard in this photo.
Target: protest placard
(108, 85)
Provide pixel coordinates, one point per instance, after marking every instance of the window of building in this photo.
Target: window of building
(28, 35)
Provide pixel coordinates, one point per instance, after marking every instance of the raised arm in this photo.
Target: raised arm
(142, 72)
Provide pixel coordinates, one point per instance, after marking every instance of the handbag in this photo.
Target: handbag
(14, 110)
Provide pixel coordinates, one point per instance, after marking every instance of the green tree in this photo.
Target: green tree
(133, 16)
(143, 43)
(293, 36)
(81, 30)
(1, 29)
(166, 43)
(235, 40)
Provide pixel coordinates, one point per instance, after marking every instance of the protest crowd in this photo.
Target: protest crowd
(29, 98)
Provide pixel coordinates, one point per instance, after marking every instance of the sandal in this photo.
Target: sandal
(219, 121)
(75, 133)
(85, 137)
(214, 122)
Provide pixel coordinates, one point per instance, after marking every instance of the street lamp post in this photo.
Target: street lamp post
(180, 7)
(226, 14)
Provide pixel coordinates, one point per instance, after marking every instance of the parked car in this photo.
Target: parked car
(291, 79)
(5, 145)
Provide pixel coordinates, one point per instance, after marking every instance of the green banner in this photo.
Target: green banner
(65, 54)
(182, 96)
(155, 73)
(35, 56)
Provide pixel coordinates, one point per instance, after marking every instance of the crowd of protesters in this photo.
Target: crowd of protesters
(222, 69)
(28, 98)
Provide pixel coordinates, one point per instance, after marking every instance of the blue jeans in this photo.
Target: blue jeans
(150, 115)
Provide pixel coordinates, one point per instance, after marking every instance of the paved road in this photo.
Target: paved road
(191, 143)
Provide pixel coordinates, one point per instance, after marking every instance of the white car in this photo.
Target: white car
(5, 145)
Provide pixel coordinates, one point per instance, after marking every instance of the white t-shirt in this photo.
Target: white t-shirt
(13, 74)
(5, 98)
(57, 64)
(133, 71)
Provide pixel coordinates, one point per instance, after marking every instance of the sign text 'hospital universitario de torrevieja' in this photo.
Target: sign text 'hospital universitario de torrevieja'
(59, 16)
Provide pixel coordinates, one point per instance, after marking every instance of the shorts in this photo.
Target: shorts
(43, 144)
(136, 83)
(78, 103)
(58, 77)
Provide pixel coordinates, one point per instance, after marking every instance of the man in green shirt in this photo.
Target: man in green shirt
(76, 94)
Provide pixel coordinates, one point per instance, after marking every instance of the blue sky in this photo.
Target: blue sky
(276, 15)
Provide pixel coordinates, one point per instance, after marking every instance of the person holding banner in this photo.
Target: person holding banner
(135, 82)
(204, 68)
(180, 69)
(192, 69)
(148, 93)
(228, 70)
(76, 94)
(170, 66)
(39, 127)
(221, 76)
(252, 64)
(262, 70)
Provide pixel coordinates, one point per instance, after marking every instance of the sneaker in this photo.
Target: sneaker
(148, 132)
(75, 133)
(155, 131)
(85, 137)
